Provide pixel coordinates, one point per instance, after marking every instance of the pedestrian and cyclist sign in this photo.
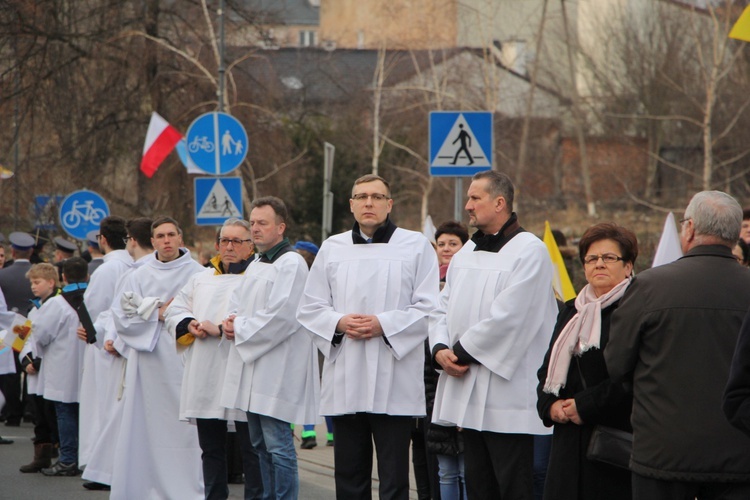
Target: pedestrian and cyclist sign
(81, 212)
(217, 199)
(217, 143)
(460, 143)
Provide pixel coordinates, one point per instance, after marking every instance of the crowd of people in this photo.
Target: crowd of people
(147, 371)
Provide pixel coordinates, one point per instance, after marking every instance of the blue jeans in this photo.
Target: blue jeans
(274, 442)
(67, 427)
(451, 473)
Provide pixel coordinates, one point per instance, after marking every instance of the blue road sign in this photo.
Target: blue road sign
(45, 211)
(217, 143)
(461, 143)
(217, 199)
(81, 212)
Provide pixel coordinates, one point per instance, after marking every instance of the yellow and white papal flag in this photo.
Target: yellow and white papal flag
(563, 287)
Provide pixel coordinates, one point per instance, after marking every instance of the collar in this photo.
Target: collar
(234, 268)
(181, 253)
(382, 234)
(272, 254)
(38, 302)
(709, 250)
(494, 242)
(72, 287)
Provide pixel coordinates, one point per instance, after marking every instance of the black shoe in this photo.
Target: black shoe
(61, 469)
(308, 443)
(330, 442)
(94, 486)
(5, 441)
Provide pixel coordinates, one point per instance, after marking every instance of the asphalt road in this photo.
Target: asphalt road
(315, 470)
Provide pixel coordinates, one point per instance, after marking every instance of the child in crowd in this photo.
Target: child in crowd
(60, 375)
(44, 285)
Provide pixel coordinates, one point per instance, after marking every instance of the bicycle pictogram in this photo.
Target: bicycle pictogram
(201, 143)
(83, 212)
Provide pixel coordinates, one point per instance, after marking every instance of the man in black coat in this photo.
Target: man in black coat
(674, 334)
(17, 291)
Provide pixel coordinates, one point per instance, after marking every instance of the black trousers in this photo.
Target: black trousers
(10, 384)
(498, 466)
(212, 437)
(45, 420)
(352, 454)
(646, 488)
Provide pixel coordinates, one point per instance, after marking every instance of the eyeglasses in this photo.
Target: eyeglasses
(234, 241)
(374, 196)
(607, 258)
(126, 239)
(682, 221)
(97, 236)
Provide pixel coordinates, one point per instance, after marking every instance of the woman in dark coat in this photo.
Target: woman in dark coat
(574, 392)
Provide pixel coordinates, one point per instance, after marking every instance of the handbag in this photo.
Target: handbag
(608, 444)
(611, 446)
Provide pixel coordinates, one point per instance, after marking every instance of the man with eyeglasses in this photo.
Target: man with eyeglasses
(194, 318)
(367, 300)
(489, 334)
(673, 336)
(98, 473)
(98, 299)
(272, 369)
(157, 455)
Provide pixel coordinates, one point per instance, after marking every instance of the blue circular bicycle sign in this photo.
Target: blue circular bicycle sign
(217, 143)
(81, 212)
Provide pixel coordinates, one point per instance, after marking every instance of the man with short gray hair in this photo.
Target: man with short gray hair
(674, 334)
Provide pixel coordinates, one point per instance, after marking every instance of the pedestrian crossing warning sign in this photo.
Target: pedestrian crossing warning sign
(217, 199)
(460, 142)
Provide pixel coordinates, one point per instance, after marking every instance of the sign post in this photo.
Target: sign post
(461, 145)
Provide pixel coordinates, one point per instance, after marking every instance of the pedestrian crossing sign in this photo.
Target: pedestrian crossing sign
(217, 199)
(461, 143)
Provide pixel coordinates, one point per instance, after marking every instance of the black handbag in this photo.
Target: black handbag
(608, 444)
(611, 446)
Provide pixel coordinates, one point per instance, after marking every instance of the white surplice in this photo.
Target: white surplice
(101, 460)
(96, 362)
(272, 368)
(156, 455)
(502, 308)
(54, 336)
(398, 282)
(204, 297)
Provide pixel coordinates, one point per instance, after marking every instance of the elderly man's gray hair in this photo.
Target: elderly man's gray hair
(234, 221)
(715, 213)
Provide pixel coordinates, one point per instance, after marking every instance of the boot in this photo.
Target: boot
(42, 458)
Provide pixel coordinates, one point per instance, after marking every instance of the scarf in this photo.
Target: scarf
(582, 332)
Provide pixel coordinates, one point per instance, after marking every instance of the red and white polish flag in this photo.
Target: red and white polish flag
(161, 139)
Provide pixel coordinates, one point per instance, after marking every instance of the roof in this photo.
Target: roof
(286, 12)
(315, 75)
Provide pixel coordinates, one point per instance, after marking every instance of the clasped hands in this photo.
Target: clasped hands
(360, 326)
(449, 361)
(203, 329)
(563, 411)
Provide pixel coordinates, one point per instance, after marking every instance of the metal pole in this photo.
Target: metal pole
(325, 228)
(458, 201)
(222, 68)
(16, 138)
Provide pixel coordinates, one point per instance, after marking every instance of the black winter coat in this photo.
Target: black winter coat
(570, 475)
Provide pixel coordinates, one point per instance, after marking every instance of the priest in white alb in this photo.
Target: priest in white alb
(96, 362)
(489, 334)
(272, 370)
(157, 455)
(367, 300)
(194, 318)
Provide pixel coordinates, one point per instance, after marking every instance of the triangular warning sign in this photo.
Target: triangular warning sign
(218, 203)
(461, 148)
